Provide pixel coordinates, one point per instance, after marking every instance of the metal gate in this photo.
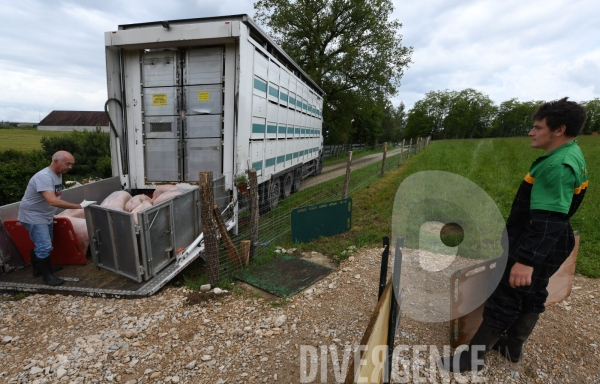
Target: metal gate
(141, 252)
(183, 113)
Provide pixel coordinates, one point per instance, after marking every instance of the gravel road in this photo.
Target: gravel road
(332, 171)
(178, 336)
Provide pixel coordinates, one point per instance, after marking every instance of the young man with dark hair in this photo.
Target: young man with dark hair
(540, 237)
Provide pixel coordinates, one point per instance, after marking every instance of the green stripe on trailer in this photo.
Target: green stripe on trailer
(271, 129)
(258, 128)
(282, 129)
(295, 155)
(290, 130)
(257, 165)
(283, 96)
(288, 157)
(273, 92)
(270, 162)
(260, 85)
(280, 159)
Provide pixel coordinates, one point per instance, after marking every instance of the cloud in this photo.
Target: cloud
(536, 50)
(53, 52)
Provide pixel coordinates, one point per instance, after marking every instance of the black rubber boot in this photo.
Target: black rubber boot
(36, 268)
(46, 271)
(511, 346)
(485, 338)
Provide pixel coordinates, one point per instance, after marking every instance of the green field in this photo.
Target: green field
(23, 139)
(497, 166)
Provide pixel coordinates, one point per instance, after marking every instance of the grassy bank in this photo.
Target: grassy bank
(24, 139)
(496, 165)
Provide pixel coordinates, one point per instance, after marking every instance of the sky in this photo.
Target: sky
(52, 52)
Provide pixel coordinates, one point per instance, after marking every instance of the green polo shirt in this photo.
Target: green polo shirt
(556, 177)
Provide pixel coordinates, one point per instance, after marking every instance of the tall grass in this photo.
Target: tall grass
(497, 166)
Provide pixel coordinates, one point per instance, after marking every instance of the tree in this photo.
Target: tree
(470, 114)
(428, 115)
(351, 48)
(514, 118)
(592, 124)
(450, 114)
(394, 123)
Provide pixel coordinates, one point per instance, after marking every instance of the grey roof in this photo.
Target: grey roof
(75, 119)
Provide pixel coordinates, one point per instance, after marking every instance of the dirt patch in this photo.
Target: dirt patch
(196, 298)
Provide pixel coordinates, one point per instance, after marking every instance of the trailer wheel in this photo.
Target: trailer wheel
(288, 180)
(263, 198)
(297, 179)
(318, 166)
(274, 193)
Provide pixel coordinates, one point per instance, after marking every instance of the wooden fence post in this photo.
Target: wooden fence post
(347, 181)
(253, 211)
(401, 152)
(384, 156)
(234, 257)
(209, 226)
(409, 146)
(245, 251)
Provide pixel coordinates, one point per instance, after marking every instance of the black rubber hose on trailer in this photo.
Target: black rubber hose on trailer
(112, 125)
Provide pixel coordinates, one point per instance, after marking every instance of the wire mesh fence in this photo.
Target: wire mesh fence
(266, 222)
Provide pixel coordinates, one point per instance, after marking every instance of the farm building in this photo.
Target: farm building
(74, 121)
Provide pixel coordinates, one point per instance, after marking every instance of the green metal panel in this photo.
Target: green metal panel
(325, 219)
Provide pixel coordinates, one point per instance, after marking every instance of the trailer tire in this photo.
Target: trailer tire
(318, 166)
(274, 193)
(263, 198)
(288, 180)
(297, 179)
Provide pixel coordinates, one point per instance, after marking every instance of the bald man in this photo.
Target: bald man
(37, 209)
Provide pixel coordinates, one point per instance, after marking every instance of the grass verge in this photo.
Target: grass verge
(497, 166)
(24, 139)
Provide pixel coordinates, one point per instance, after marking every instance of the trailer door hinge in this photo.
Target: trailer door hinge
(142, 272)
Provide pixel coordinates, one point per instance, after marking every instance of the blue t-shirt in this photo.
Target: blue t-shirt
(34, 209)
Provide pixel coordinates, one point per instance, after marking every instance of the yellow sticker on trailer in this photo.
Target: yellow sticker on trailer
(203, 96)
(159, 99)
